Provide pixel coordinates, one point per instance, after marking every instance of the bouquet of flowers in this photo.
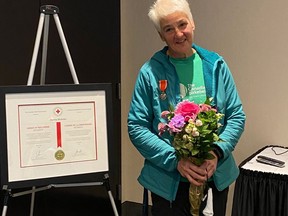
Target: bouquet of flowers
(194, 128)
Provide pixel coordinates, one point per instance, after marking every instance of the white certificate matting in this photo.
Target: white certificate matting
(53, 134)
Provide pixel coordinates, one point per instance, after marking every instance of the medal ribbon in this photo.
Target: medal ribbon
(163, 85)
(58, 133)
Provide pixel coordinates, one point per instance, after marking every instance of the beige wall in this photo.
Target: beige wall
(252, 36)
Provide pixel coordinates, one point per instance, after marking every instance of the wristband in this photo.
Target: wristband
(218, 151)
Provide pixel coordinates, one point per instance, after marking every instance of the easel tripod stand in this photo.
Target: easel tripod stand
(45, 12)
(105, 182)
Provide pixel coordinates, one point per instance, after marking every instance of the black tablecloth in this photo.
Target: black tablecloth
(260, 194)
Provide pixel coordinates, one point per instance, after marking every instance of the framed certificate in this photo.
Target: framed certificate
(53, 134)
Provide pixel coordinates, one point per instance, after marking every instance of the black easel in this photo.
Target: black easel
(105, 182)
(45, 12)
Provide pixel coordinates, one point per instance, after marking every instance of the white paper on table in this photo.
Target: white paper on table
(268, 152)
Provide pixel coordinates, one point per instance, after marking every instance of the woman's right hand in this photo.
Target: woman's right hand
(196, 175)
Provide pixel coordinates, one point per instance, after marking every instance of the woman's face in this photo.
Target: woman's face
(177, 32)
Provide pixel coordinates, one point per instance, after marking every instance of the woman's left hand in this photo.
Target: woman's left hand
(211, 165)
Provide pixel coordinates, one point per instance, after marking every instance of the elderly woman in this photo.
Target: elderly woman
(182, 70)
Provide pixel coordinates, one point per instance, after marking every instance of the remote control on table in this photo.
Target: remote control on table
(270, 161)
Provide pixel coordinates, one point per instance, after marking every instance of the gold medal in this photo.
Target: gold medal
(59, 155)
(163, 96)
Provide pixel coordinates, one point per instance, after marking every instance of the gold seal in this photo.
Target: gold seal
(59, 155)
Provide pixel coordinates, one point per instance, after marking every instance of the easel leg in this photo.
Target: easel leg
(107, 184)
(32, 201)
(4, 210)
(65, 47)
(36, 49)
(5, 206)
(44, 50)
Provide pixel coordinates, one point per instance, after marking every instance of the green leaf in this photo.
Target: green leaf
(209, 156)
(208, 100)
(194, 152)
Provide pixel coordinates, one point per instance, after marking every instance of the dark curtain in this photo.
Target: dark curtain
(260, 194)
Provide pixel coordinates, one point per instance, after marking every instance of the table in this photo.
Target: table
(260, 189)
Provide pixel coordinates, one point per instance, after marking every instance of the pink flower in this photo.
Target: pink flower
(162, 127)
(189, 118)
(187, 109)
(164, 114)
(214, 110)
(205, 107)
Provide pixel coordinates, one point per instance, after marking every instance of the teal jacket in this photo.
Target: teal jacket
(160, 174)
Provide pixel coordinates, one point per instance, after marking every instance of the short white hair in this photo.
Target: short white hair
(162, 8)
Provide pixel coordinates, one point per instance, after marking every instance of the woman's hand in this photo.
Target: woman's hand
(211, 165)
(196, 175)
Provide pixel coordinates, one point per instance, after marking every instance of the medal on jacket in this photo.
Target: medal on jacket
(163, 86)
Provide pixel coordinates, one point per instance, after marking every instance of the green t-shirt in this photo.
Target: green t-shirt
(190, 73)
(192, 86)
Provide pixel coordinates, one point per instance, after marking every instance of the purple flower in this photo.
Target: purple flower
(176, 123)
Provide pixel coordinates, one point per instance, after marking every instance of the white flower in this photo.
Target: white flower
(191, 121)
(185, 137)
(195, 133)
(198, 122)
(219, 115)
(188, 130)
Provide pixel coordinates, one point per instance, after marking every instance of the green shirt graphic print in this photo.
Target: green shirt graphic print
(190, 73)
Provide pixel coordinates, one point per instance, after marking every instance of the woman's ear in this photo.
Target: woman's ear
(193, 25)
(161, 36)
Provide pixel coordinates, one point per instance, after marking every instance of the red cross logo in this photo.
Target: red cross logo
(58, 111)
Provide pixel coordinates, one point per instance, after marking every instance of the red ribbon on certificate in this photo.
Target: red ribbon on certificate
(58, 134)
